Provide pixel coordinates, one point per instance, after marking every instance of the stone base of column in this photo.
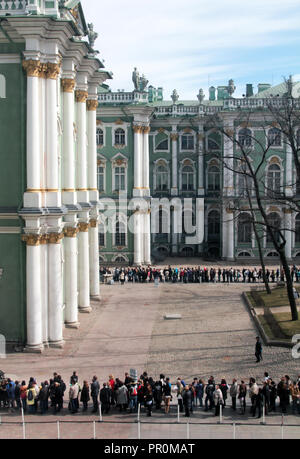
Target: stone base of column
(96, 298)
(87, 310)
(174, 192)
(34, 349)
(57, 344)
(74, 325)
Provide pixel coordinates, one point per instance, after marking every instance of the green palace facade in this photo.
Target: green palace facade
(163, 153)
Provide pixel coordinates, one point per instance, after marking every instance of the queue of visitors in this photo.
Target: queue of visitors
(196, 275)
(126, 395)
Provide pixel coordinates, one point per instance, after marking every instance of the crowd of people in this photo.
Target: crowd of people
(151, 394)
(196, 275)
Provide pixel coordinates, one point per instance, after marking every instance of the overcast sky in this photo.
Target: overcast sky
(195, 44)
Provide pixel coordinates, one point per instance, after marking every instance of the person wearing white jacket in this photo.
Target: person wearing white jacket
(218, 399)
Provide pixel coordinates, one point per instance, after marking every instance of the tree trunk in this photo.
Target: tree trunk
(289, 285)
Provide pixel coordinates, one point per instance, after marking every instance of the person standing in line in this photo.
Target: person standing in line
(105, 398)
(187, 400)
(253, 392)
(218, 399)
(85, 395)
(23, 391)
(242, 396)
(180, 390)
(149, 399)
(258, 350)
(167, 394)
(233, 393)
(95, 389)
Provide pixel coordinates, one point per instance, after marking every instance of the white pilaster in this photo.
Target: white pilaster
(44, 287)
(289, 170)
(137, 239)
(146, 165)
(94, 260)
(228, 159)
(138, 160)
(201, 161)
(288, 234)
(68, 181)
(147, 238)
(82, 182)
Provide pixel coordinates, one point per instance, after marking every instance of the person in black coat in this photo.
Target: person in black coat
(95, 388)
(149, 399)
(105, 398)
(85, 395)
(187, 400)
(258, 350)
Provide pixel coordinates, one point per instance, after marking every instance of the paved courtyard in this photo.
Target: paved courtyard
(127, 330)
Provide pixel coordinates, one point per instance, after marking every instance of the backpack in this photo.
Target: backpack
(30, 396)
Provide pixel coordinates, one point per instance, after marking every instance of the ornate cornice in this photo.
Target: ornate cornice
(71, 232)
(32, 68)
(55, 238)
(68, 85)
(92, 105)
(81, 96)
(32, 240)
(83, 227)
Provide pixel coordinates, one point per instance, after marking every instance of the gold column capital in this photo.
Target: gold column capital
(84, 227)
(137, 129)
(174, 137)
(93, 223)
(71, 232)
(55, 238)
(146, 129)
(92, 105)
(53, 70)
(81, 96)
(68, 85)
(32, 67)
(31, 240)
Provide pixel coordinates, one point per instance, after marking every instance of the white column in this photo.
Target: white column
(289, 170)
(71, 278)
(200, 162)
(147, 238)
(55, 291)
(44, 286)
(230, 236)
(68, 181)
(228, 160)
(94, 259)
(137, 239)
(34, 294)
(53, 197)
(174, 138)
(146, 165)
(138, 159)
(81, 97)
(288, 233)
(33, 160)
(92, 144)
(84, 268)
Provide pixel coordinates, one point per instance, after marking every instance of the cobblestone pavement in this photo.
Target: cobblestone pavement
(127, 329)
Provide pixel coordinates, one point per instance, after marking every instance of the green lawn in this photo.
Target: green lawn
(278, 299)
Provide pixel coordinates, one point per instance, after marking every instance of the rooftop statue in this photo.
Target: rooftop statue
(231, 87)
(92, 35)
(140, 83)
(175, 96)
(201, 96)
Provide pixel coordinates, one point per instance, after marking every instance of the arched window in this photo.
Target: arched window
(163, 145)
(274, 222)
(245, 137)
(101, 178)
(214, 224)
(100, 137)
(120, 240)
(245, 185)
(274, 137)
(187, 142)
(120, 179)
(212, 144)
(187, 178)
(297, 229)
(213, 178)
(101, 235)
(120, 137)
(274, 180)
(244, 229)
(244, 255)
(162, 178)
(164, 222)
